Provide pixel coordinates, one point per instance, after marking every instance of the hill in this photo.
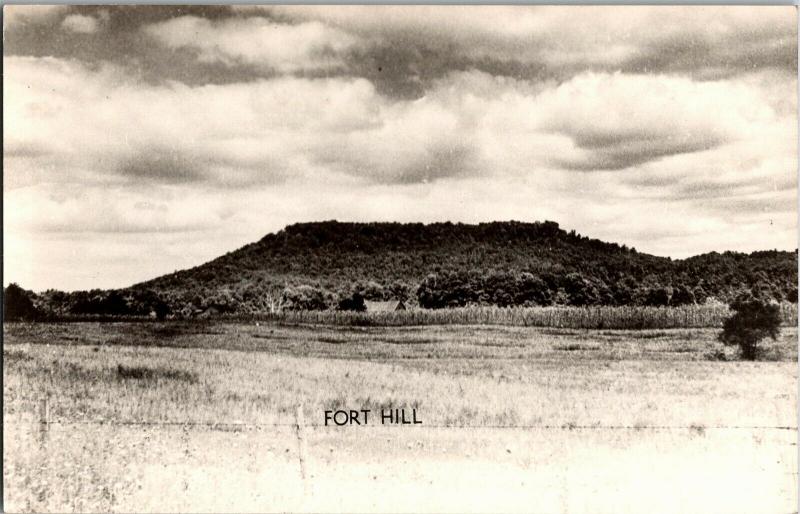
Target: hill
(318, 265)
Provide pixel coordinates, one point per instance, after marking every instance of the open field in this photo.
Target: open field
(155, 416)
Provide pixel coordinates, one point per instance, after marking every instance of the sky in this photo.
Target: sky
(143, 140)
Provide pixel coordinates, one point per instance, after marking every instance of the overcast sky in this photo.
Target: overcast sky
(141, 140)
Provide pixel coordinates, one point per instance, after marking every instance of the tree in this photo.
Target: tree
(400, 290)
(354, 302)
(451, 289)
(658, 296)
(161, 309)
(17, 305)
(274, 300)
(305, 298)
(531, 290)
(753, 320)
(624, 291)
(143, 302)
(682, 295)
(429, 294)
(579, 290)
(114, 304)
(700, 294)
(371, 290)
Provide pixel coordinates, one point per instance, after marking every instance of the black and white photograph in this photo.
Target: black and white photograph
(400, 258)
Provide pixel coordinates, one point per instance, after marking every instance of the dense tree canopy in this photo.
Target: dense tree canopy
(320, 265)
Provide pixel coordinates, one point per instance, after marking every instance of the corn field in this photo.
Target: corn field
(595, 317)
(591, 317)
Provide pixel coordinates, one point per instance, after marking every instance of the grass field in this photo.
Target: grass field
(157, 416)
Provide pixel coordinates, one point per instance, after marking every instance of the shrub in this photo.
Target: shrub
(147, 373)
(752, 320)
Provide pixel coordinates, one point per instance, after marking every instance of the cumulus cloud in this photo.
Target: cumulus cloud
(256, 41)
(660, 139)
(618, 120)
(80, 24)
(255, 133)
(469, 124)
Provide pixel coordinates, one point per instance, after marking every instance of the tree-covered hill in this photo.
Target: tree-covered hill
(320, 265)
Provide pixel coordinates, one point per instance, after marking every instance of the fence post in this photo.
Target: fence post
(44, 421)
(301, 445)
(44, 427)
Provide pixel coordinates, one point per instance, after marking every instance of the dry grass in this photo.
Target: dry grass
(458, 375)
(251, 378)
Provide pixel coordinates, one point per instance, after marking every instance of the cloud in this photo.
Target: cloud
(703, 41)
(15, 16)
(236, 135)
(419, 115)
(617, 120)
(267, 131)
(71, 209)
(256, 41)
(80, 24)
(162, 164)
(403, 50)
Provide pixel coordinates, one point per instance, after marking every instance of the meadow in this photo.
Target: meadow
(154, 416)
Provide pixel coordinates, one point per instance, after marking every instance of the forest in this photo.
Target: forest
(336, 266)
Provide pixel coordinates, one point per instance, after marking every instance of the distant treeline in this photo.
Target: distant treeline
(20, 304)
(336, 266)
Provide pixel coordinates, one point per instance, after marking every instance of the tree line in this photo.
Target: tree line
(332, 265)
(435, 291)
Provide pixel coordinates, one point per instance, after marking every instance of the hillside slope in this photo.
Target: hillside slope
(320, 265)
(390, 260)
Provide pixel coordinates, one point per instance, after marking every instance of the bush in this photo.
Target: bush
(753, 320)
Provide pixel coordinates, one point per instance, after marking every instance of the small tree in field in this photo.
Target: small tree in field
(752, 321)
